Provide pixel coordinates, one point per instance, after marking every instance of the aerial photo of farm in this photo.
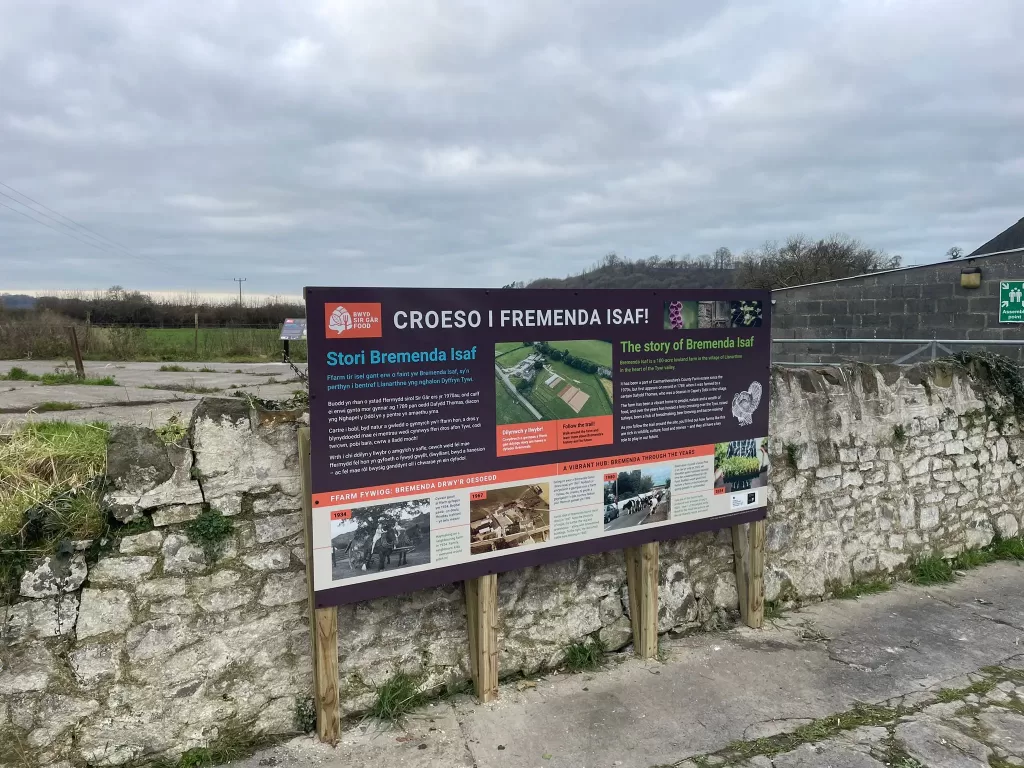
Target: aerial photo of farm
(547, 380)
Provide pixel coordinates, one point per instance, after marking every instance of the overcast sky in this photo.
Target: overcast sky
(430, 143)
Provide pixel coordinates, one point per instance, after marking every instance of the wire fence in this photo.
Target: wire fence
(809, 352)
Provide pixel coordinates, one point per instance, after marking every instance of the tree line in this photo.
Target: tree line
(796, 261)
(121, 307)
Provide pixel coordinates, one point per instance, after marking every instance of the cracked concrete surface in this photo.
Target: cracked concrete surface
(143, 395)
(715, 689)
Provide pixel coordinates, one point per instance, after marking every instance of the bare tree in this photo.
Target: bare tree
(723, 258)
(802, 261)
(954, 253)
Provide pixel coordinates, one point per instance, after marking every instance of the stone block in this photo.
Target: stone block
(284, 588)
(95, 664)
(181, 556)
(122, 570)
(40, 618)
(277, 527)
(54, 575)
(102, 611)
(141, 543)
(176, 513)
(275, 559)
(1006, 525)
(929, 518)
(225, 600)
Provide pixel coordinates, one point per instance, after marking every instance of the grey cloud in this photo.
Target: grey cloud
(468, 143)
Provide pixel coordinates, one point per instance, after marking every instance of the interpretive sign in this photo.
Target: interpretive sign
(1011, 301)
(456, 433)
(293, 329)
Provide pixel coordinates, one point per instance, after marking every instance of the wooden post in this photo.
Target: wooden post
(482, 615)
(323, 622)
(76, 350)
(748, 551)
(88, 327)
(196, 342)
(642, 582)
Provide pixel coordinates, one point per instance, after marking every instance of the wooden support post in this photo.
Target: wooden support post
(482, 615)
(642, 582)
(323, 622)
(748, 549)
(195, 343)
(77, 352)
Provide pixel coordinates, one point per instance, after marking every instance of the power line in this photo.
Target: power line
(96, 241)
(59, 232)
(66, 218)
(239, 280)
(90, 239)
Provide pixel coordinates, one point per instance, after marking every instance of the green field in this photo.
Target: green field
(508, 353)
(180, 344)
(508, 409)
(546, 400)
(599, 352)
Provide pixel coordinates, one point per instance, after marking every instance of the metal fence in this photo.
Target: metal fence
(923, 349)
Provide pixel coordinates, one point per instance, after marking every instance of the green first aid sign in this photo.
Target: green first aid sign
(1011, 301)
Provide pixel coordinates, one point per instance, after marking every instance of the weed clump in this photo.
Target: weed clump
(305, 715)
(931, 570)
(397, 697)
(580, 657)
(860, 588)
(209, 531)
(173, 432)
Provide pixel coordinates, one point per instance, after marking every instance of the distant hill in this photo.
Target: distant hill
(1007, 240)
(614, 272)
(17, 301)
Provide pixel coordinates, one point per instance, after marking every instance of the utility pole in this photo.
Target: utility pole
(239, 280)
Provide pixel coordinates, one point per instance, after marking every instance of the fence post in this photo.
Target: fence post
(77, 352)
(934, 350)
(196, 343)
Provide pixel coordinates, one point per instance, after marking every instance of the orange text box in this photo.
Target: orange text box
(532, 437)
(583, 433)
(478, 495)
(341, 514)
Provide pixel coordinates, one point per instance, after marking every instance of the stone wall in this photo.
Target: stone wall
(916, 303)
(140, 647)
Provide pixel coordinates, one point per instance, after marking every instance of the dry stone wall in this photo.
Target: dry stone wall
(141, 646)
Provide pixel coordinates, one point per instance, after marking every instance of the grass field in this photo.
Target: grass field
(214, 344)
(599, 352)
(508, 409)
(546, 400)
(508, 353)
(609, 389)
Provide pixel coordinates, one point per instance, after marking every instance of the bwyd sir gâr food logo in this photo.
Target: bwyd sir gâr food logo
(352, 321)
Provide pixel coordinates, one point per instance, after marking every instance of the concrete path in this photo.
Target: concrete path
(913, 677)
(143, 393)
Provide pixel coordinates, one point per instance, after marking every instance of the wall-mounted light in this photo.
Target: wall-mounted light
(970, 277)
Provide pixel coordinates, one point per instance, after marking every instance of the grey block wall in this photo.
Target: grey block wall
(918, 303)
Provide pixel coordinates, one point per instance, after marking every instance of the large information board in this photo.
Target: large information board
(456, 433)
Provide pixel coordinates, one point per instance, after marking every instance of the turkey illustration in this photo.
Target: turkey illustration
(745, 403)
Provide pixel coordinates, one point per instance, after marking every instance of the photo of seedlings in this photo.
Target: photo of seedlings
(383, 537)
(548, 380)
(685, 315)
(745, 314)
(519, 516)
(638, 497)
(741, 464)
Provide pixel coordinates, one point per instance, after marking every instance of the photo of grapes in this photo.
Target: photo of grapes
(741, 464)
(685, 315)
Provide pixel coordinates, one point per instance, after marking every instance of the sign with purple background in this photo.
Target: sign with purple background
(461, 432)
